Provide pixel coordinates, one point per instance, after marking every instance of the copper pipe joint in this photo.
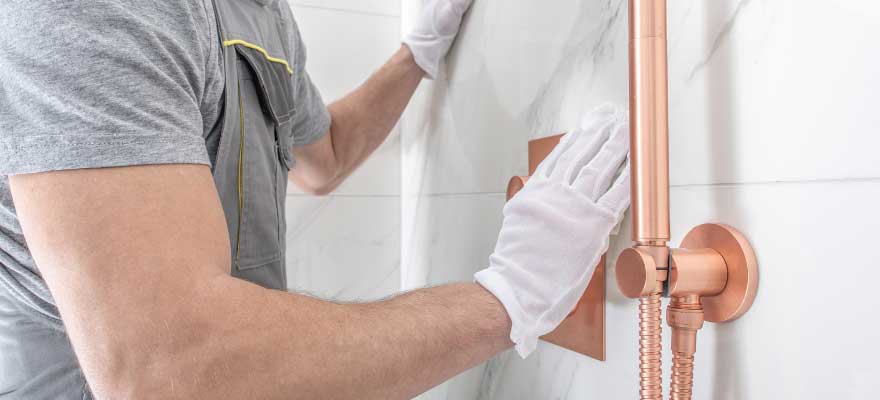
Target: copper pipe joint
(696, 272)
(649, 127)
(685, 317)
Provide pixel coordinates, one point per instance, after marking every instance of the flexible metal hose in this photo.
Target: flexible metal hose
(650, 350)
(682, 376)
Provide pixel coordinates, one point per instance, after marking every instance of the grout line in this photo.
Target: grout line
(464, 194)
(345, 10)
(685, 186)
(786, 182)
(344, 195)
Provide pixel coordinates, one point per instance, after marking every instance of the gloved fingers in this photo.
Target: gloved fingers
(599, 115)
(595, 127)
(586, 146)
(590, 123)
(461, 6)
(546, 167)
(447, 18)
(596, 177)
(616, 200)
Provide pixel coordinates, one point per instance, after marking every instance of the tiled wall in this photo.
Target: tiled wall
(346, 246)
(774, 129)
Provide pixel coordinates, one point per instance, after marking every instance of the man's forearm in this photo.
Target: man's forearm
(360, 123)
(363, 119)
(272, 345)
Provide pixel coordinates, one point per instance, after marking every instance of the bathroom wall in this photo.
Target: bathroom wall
(774, 130)
(346, 246)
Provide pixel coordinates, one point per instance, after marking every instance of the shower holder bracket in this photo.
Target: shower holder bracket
(742, 270)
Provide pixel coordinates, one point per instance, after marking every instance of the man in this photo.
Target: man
(144, 147)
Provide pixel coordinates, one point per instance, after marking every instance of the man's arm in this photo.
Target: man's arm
(137, 259)
(360, 123)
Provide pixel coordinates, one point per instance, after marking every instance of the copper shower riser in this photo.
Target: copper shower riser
(714, 275)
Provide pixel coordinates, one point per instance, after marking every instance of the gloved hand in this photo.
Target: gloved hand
(556, 228)
(432, 36)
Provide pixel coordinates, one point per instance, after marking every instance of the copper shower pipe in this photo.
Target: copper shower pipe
(649, 132)
(649, 158)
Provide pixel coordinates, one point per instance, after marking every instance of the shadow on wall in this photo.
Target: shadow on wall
(722, 128)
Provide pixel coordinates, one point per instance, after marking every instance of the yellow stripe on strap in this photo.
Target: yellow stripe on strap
(263, 51)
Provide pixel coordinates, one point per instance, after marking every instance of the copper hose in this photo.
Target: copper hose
(650, 350)
(682, 376)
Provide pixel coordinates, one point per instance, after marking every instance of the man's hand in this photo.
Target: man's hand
(556, 228)
(436, 30)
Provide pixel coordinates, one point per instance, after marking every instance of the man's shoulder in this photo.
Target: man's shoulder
(77, 20)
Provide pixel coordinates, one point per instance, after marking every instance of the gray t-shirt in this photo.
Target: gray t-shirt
(94, 84)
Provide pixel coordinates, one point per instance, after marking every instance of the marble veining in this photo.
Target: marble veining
(719, 38)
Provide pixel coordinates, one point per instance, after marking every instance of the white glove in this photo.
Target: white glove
(434, 33)
(556, 228)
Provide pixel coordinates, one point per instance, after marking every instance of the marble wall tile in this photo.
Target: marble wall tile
(447, 238)
(516, 73)
(344, 49)
(759, 93)
(344, 247)
(753, 79)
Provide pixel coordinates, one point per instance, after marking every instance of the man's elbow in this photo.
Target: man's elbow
(145, 377)
(316, 188)
(317, 184)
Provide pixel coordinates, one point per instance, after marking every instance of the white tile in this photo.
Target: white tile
(343, 50)
(448, 238)
(344, 248)
(808, 335)
(759, 94)
(383, 7)
(757, 91)
(461, 387)
(516, 73)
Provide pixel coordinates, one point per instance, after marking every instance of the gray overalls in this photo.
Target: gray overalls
(254, 154)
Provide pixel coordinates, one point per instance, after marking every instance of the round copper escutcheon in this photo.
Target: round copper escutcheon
(636, 273)
(515, 185)
(742, 270)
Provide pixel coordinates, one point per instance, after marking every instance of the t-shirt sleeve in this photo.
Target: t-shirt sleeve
(311, 119)
(96, 84)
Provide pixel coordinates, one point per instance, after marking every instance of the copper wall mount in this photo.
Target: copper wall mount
(741, 280)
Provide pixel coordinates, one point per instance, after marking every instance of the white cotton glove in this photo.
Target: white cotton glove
(556, 228)
(434, 33)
